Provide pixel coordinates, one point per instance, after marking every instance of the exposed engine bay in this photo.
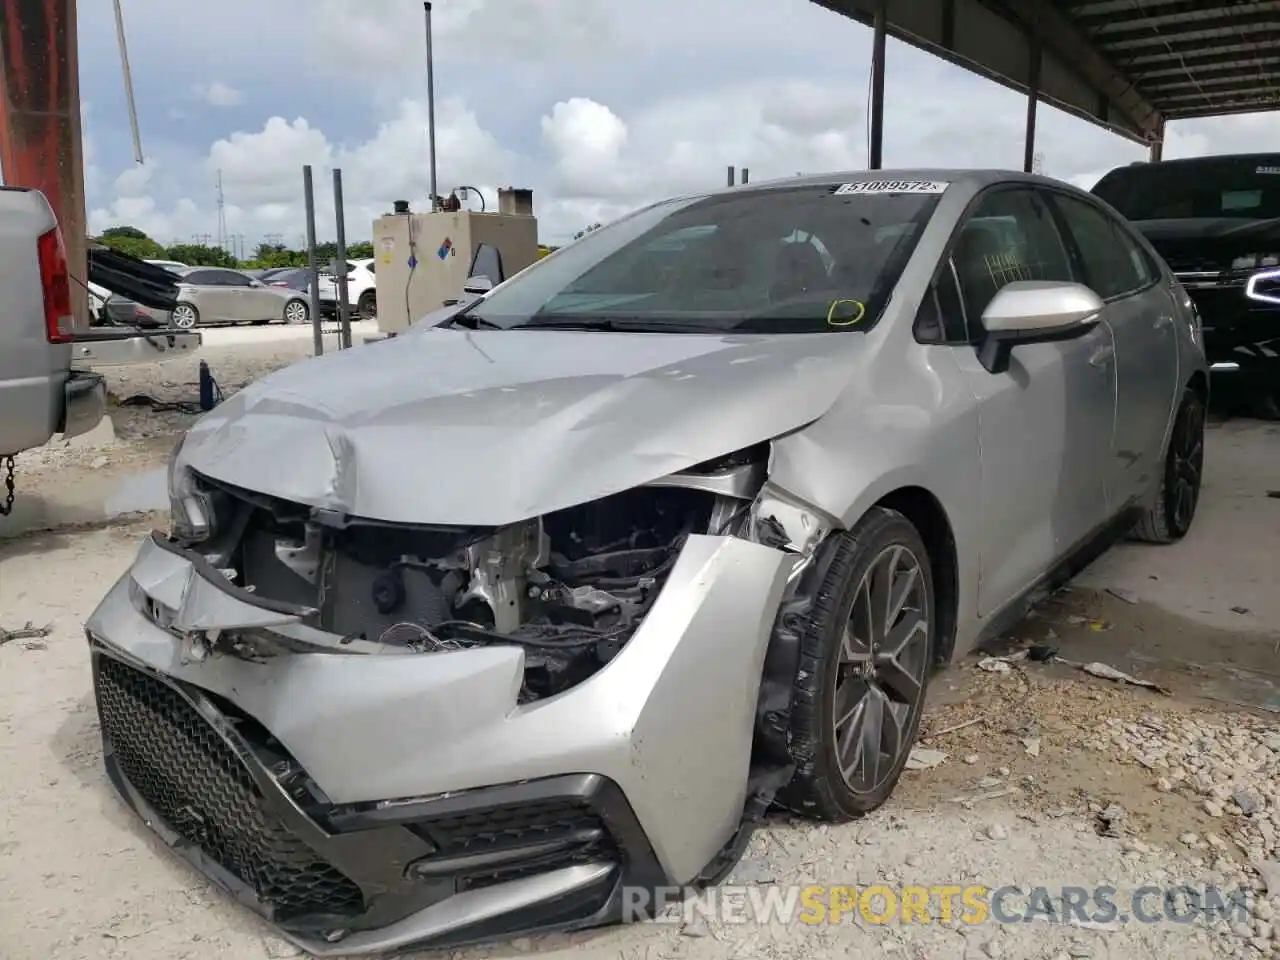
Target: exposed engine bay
(569, 587)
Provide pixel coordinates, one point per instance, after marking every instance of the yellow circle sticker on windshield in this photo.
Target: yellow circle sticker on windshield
(856, 308)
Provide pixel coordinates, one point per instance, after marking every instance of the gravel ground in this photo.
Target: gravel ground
(1048, 778)
(1060, 782)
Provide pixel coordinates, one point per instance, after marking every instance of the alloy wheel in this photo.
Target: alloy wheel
(880, 680)
(295, 313)
(1186, 466)
(183, 317)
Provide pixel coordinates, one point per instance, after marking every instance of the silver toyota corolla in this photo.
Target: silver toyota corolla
(518, 619)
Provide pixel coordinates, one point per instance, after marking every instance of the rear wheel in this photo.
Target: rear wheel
(1169, 518)
(865, 660)
(184, 316)
(367, 307)
(295, 311)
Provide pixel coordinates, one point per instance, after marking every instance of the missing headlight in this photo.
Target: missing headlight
(570, 587)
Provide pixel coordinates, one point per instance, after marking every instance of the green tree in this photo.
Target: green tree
(268, 255)
(200, 255)
(132, 242)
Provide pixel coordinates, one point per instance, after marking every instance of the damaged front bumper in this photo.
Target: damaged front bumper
(365, 802)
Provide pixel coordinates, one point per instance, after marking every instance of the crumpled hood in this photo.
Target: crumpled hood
(450, 426)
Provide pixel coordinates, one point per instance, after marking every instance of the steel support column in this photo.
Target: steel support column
(875, 149)
(1033, 98)
(40, 139)
(1157, 143)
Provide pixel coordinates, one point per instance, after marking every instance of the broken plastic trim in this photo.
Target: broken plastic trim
(784, 522)
(191, 516)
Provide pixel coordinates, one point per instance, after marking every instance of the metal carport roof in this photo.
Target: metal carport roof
(1129, 65)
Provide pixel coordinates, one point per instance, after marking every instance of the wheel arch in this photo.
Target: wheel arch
(1199, 385)
(930, 519)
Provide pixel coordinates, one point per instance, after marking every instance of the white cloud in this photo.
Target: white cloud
(476, 30)
(561, 111)
(218, 94)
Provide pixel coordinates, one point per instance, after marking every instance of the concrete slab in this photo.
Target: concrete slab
(1226, 573)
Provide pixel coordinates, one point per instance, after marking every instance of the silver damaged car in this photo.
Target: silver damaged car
(512, 622)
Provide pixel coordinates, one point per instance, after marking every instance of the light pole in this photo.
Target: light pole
(431, 106)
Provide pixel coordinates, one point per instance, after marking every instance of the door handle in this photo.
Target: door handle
(1102, 356)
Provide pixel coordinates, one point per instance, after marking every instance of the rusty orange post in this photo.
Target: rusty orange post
(40, 137)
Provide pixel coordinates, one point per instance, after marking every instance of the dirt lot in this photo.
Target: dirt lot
(1052, 777)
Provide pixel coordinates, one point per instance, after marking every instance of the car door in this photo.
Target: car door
(239, 288)
(258, 300)
(206, 292)
(1045, 424)
(1140, 311)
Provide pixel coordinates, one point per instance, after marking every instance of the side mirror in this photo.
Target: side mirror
(477, 285)
(1035, 311)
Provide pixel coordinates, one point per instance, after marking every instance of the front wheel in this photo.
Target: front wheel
(865, 658)
(1169, 518)
(367, 307)
(295, 311)
(184, 316)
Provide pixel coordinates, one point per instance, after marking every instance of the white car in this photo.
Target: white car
(362, 290)
(171, 265)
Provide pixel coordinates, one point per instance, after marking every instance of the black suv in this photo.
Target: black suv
(1216, 222)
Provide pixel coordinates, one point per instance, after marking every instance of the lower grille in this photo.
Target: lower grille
(192, 779)
(572, 830)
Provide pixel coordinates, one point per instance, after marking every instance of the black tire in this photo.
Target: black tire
(1169, 518)
(185, 316)
(297, 311)
(819, 790)
(367, 306)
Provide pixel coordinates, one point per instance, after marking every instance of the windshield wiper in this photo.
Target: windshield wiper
(618, 324)
(1253, 226)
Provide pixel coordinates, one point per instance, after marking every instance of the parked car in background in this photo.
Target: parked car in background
(98, 297)
(293, 278)
(1216, 222)
(120, 311)
(613, 557)
(216, 295)
(173, 265)
(362, 289)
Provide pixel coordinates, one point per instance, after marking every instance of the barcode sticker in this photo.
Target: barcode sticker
(891, 186)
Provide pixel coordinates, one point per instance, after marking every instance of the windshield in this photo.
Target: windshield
(787, 260)
(1244, 186)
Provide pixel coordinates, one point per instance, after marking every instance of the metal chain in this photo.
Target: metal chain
(6, 506)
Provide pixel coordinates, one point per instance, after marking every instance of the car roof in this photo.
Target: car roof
(976, 179)
(187, 271)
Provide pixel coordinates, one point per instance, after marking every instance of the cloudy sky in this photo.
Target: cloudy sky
(598, 106)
